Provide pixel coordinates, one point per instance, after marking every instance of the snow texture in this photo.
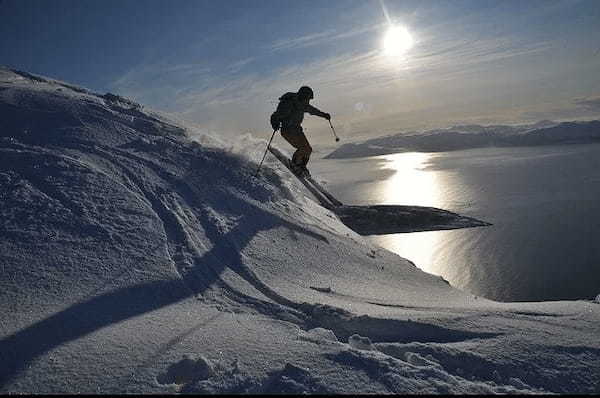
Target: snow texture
(139, 255)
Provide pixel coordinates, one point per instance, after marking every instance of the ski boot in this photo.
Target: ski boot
(300, 170)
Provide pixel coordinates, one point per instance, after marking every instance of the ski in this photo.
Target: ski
(329, 196)
(316, 192)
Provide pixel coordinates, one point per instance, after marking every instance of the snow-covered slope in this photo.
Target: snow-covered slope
(135, 259)
(474, 136)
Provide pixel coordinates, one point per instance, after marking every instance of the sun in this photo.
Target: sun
(397, 41)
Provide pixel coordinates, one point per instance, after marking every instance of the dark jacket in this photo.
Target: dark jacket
(290, 112)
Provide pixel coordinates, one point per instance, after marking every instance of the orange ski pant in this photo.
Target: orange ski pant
(298, 140)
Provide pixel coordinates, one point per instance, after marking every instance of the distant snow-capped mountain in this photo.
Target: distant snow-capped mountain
(544, 132)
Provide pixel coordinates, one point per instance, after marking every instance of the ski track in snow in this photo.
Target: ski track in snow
(206, 210)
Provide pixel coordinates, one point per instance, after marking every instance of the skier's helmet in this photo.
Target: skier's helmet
(306, 92)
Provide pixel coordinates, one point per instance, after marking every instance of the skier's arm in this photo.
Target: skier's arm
(284, 109)
(314, 111)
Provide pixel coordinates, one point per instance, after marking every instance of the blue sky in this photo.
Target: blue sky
(224, 63)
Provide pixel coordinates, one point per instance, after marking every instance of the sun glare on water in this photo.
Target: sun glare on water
(397, 41)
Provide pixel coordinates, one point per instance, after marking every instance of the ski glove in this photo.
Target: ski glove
(327, 116)
(275, 122)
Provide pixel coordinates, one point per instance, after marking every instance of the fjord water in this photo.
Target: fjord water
(543, 202)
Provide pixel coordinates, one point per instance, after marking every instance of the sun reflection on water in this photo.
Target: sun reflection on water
(411, 184)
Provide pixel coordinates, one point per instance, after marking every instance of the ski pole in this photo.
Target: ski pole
(334, 134)
(263, 158)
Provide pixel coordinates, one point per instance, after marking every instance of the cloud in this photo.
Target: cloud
(320, 38)
(453, 55)
(590, 103)
(577, 108)
(298, 42)
(146, 76)
(237, 66)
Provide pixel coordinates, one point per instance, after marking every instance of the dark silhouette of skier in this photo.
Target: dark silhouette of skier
(288, 117)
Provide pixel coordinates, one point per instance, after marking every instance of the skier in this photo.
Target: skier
(288, 117)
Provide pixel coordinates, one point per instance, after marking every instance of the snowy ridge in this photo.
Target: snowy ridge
(136, 260)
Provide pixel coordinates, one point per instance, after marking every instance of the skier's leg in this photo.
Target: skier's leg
(305, 150)
(298, 140)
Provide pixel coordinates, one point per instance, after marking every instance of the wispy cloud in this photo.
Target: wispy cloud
(237, 66)
(315, 39)
(298, 42)
(590, 103)
(147, 75)
(570, 109)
